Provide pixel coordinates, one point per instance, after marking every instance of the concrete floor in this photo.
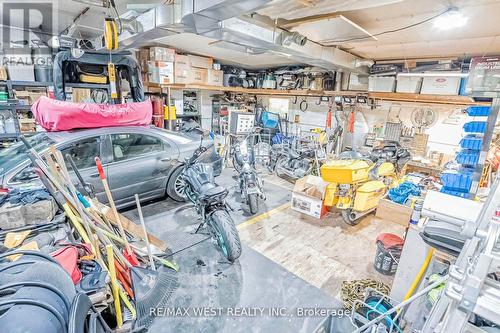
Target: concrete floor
(289, 260)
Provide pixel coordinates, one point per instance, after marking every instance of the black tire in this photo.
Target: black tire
(349, 217)
(226, 234)
(174, 187)
(253, 202)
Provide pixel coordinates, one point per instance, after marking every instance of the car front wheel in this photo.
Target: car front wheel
(175, 186)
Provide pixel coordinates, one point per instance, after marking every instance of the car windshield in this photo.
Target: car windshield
(15, 154)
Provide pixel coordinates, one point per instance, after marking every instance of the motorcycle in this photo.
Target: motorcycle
(358, 182)
(250, 185)
(209, 201)
(296, 162)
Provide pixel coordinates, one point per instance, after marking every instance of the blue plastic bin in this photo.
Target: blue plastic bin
(478, 111)
(269, 119)
(468, 157)
(460, 181)
(475, 127)
(472, 142)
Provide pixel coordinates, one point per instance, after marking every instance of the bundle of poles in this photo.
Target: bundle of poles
(135, 282)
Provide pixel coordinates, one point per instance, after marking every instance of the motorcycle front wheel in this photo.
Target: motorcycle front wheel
(226, 234)
(253, 202)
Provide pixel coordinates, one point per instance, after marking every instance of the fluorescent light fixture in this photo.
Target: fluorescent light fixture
(452, 19)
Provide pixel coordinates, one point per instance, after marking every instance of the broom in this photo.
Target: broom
(151, 288)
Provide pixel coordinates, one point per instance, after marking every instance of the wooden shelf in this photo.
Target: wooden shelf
(397, 97)
(431, 99)
(252, 91)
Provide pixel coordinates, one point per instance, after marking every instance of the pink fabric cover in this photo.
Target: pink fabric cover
(54, 115)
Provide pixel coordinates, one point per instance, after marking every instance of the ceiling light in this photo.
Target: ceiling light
(453, 18)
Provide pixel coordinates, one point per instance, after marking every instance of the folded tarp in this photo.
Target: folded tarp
(54, 115)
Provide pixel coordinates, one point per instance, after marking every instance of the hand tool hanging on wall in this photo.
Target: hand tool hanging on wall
(350, 125)
(328, 124)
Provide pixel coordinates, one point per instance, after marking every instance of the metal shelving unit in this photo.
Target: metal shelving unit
(487, 137)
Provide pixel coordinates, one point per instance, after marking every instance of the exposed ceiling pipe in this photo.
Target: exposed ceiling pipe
(226, 22)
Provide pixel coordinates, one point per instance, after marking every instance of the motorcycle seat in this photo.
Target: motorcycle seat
(216, 193)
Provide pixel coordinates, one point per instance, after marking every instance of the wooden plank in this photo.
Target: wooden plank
(420, 98)
(130, 227)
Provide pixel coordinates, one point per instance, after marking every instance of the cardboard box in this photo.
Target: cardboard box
(197, 75)
(483, 74)
(160, 72)
(390, 211)
(441, 85)
(381, 83)
(215, 77)
(181, 59)
(181, 73)
(409, 84)
(307, 196)
(143, 58)
(161, 54)
(3, 73)
(200, 62)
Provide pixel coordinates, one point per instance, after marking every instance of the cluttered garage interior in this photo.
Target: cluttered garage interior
(312, 166)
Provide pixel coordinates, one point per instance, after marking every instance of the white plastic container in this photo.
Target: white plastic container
(441, 85)
(18, 72)
(382, 83)
(409, 84)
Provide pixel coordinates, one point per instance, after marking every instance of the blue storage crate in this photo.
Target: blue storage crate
(475, 127)
(472, 142)
(460, 181)
(478, 111)
(465, 195)
(269, 119)
(468, 157)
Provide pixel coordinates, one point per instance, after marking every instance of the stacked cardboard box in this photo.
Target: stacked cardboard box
(162, 65)
(160, 72)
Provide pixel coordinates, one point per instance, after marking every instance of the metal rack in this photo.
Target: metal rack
(470, 289)
(487, 137)
(10, 108)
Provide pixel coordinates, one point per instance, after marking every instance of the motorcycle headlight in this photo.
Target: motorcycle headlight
(344, 187)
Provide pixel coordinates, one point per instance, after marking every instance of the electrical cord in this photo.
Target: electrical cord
(394, 30)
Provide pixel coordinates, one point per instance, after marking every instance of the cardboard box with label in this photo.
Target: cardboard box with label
(181, 59)
(181, 73)
(160, 72)
(197, 75)
(307, 196)
(215, 77)
(391, 211)
(161, 54)
(200, 62)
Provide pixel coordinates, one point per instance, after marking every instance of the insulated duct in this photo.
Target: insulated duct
(226, 21)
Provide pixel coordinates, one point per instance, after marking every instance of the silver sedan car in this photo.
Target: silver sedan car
(142, 160)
